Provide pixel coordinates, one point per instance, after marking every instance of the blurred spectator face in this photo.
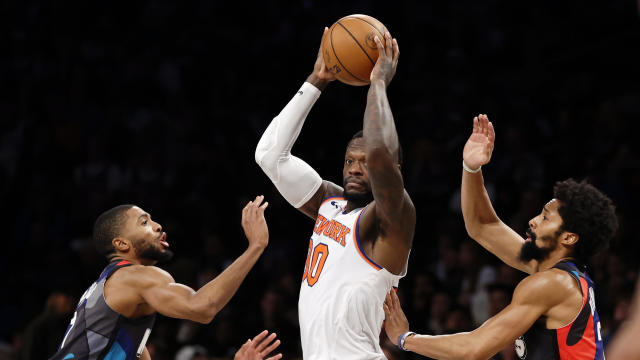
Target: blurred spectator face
(213, 246)
(60, 304)
(422, 290)
(467, 256)
(615, 266)
(508, 275)
(423, 285)
(440, 305)
(457, 320)
(224, 332)
(289, 284)
(621, 311)
(206, 275)
(269, 303)
(448, 256)
(498, 299)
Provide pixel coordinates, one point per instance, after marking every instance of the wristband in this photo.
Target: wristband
(402, 338)
(468, 169)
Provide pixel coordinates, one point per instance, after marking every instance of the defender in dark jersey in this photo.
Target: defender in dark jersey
(553, 313)
(115, 315)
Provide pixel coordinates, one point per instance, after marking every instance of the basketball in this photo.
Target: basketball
(349, 49)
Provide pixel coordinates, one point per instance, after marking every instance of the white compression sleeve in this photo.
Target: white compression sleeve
(295, 179)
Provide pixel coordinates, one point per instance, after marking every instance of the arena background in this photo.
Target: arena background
(161, 104)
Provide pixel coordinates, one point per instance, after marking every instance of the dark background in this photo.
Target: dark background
(161, 104)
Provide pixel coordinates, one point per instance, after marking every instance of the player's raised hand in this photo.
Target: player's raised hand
(388, 53)
(321, 76)
(478, 149)
(395, 322)
(254, 224)
(259, 347)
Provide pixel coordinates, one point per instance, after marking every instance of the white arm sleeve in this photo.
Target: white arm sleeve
(295, 179)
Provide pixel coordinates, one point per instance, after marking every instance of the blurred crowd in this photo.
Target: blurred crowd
(161, 104)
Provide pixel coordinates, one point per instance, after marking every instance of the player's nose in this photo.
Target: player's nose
(355, 168)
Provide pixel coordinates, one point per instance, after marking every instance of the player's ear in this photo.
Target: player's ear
(569, 238)
(121, 244)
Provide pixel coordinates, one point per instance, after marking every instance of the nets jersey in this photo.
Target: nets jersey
(342, 291)
(98, 332)
(578, 340)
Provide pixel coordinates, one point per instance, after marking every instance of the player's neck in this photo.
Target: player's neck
(352, 205)
(555, 257)
(131, 259)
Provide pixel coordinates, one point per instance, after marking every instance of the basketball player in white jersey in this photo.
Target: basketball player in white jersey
(363, 231)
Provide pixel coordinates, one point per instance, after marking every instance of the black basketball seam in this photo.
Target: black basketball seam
(354, 39)
(337, 58)
(381, 34)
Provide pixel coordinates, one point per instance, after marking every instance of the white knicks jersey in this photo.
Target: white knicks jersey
(342, 291)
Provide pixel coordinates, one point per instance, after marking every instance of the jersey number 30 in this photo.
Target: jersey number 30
(316, 258)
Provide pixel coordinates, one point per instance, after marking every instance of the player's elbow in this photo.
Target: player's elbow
(206, 316)
(473, 229)
(267, 158)
(206, 319)
(203, 313)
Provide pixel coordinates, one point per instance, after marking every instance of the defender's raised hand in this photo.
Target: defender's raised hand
(254, 224)
(388, 53)
(477, 151)
(259, 347)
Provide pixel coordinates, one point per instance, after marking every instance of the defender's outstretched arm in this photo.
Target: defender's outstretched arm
(480, 219)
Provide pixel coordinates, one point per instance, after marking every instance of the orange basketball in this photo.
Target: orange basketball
(349, 49)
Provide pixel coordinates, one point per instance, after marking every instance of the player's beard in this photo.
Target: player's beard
(147, 251)
(531, 251)
(360, 199)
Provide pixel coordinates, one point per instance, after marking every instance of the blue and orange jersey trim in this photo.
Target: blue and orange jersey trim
(331, 198)
(112, 266)
(357, 242)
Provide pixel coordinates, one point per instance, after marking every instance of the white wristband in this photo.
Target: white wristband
(468, 169)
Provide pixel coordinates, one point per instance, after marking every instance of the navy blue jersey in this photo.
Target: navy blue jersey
(98, 332)
(578, 340)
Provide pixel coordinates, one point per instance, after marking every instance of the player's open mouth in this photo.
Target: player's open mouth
(528, 238)
(163, 240)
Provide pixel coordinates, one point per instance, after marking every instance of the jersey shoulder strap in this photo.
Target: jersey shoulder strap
(572, 269)
(112, 267)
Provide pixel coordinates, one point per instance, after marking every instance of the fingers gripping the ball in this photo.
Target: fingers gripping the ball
(350, 50)
(396, 52)
(388, 49)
